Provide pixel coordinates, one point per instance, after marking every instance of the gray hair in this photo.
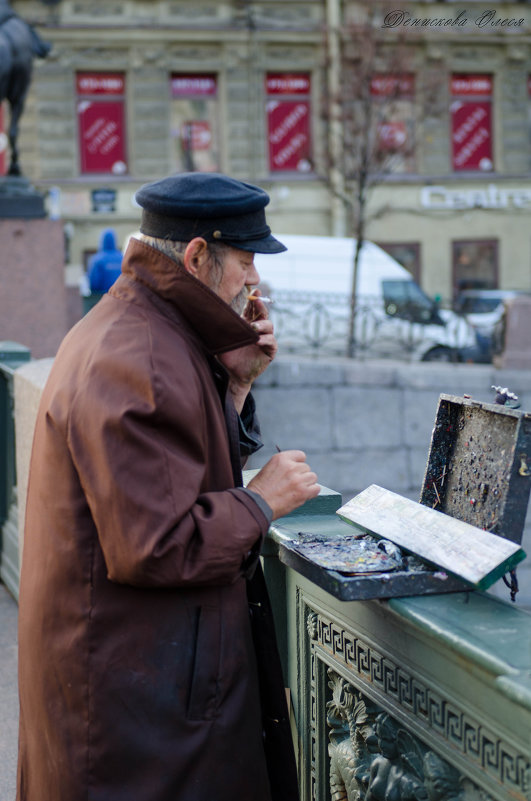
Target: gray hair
(175, 250)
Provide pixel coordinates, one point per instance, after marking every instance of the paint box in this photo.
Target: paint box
(479, 465)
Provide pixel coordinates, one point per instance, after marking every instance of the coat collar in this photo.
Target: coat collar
(218, 326)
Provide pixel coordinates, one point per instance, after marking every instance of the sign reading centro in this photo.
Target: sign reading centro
(439, 197)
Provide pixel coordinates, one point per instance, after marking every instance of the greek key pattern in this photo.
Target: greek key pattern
(476, 742)
(313, 727)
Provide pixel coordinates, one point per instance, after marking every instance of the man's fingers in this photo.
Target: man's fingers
(268, 344)
(255, 311)
(297, 456)
(263, 327)
(286, 482)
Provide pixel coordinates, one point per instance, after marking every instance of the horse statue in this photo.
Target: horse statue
(19, 44)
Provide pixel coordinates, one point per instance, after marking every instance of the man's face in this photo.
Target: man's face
(237, 277)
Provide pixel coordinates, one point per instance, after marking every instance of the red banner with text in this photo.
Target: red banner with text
(100, 83)
(388, 84)
(289, 135)
(185, 85)
(287, 83)
(102, 139)
(471, 136)
(467, 84)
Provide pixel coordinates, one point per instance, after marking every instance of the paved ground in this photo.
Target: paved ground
(8, 695)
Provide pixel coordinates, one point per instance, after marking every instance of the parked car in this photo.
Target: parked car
(311, 285)
(484, 310)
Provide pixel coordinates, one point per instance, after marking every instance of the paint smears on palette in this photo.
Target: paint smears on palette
(348, 555)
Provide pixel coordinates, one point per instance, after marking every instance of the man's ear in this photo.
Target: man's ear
(196, 258)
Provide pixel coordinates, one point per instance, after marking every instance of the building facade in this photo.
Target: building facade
(134, 90)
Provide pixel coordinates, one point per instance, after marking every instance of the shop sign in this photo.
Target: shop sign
(392, 136)
(287, 84)
(492, 197)
(289, 135)
(467, 85)
(101, 133)
(393, 85)
(193, 85)
(103, 200)
(100, 83)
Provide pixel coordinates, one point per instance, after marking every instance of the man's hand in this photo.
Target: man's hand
(244, 365)
(285, 482)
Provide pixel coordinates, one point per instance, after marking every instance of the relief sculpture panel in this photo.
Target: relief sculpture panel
(373, 758)
(371, 710)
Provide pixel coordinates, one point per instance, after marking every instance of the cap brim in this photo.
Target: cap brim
(266, 245)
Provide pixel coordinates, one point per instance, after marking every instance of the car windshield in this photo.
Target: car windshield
(478, 305)
(406, 299)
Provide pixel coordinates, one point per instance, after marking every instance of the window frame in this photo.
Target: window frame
(479, 98)
(456, 243)
(296, 99)
(102, 96)
(209, 92)
(416, 249)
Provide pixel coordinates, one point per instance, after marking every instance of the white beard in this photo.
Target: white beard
(240, 301)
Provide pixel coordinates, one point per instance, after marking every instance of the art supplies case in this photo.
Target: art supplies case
(478, 471)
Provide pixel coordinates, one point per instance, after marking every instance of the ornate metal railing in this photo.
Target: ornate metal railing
(376, 717)
(310, 323)
(421, 698)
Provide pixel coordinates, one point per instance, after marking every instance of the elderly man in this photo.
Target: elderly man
(148, 669)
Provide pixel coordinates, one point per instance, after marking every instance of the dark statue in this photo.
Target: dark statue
(19, 44)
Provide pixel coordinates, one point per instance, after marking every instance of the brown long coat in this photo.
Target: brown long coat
(138, 675)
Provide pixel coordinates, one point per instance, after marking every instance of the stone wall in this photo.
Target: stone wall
(33, 296)
(29, 381)
(363, 423)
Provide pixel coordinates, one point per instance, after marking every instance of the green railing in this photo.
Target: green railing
(419, 698)
(12, 355)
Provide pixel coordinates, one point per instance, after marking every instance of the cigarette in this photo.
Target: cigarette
(263, 298)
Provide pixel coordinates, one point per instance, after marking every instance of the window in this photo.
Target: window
(194, 122)
(288, 122)
(407, 254)
(475, 264)
(471, 122)
(404, 299)
(100, 111)
(393, 97)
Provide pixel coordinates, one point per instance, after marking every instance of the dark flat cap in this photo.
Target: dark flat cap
(210, 205)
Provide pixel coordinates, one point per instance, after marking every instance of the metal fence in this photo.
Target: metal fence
(310, 323)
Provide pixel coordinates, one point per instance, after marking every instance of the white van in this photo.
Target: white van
(311, 284)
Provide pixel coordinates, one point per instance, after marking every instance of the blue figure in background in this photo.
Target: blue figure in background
(105, 266)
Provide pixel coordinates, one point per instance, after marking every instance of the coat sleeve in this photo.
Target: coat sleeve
(141, 450)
